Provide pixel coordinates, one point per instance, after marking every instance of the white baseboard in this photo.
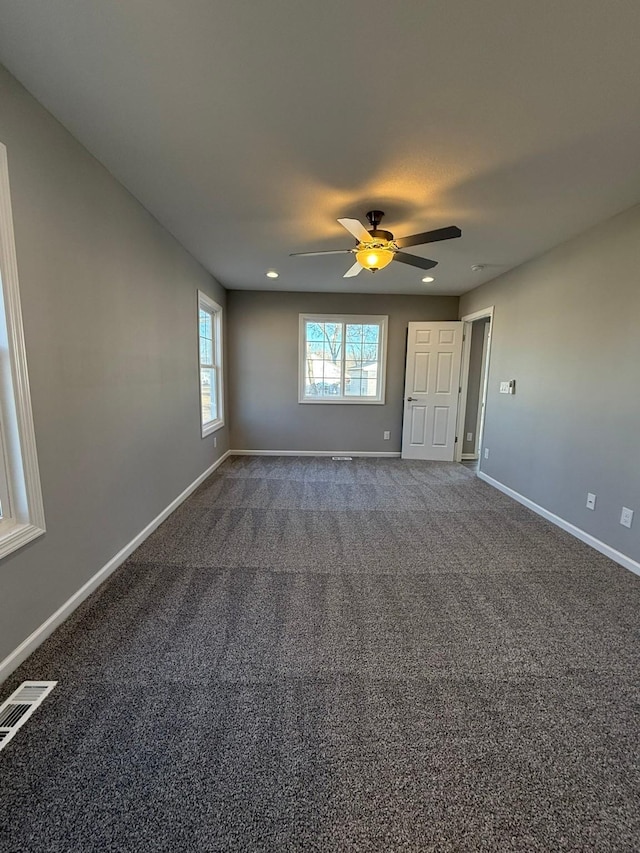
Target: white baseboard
(312, 453)
(583, 536)
(28, 646)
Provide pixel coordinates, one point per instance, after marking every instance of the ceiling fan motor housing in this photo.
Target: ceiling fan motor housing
(381, 234)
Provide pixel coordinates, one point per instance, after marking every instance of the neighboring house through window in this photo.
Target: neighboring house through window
(210, 343)
(21, 508)
(342, 358)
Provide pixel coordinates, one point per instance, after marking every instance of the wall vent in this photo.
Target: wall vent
(20, 706)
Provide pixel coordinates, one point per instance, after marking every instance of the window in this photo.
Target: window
(210, 341)
(342, 359)
(21, 509)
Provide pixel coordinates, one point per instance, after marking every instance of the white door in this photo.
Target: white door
(434, 352)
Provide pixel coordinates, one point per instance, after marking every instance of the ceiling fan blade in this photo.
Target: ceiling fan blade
(354, 270)
(429, 237)
(356, 228)
(330, 252)
(412, 260)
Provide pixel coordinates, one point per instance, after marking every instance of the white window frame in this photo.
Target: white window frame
(378, 319)
(22, 506)
(206, 303)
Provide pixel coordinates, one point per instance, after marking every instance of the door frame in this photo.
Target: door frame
(482, 395)
(468, 319)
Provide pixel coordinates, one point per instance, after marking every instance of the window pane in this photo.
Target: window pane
(332, 342)
(314, 349)
(333, 332)
(322, 378)
(354, 332)
(208, 394)
(353, 354)
(371, 334)
(368, 333)
(362, 380)
(206, 325)
(214, 394)
(361, 353)
(206, 351)
(315, 331)
(370, 352)
(362, 360)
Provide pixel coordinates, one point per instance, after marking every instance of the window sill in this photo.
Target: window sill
(15, 535)
(356, 401)
(212, 426)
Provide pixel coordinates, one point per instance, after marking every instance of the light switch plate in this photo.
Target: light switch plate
(591, 500)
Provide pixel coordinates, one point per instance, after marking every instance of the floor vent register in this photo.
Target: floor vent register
(15, 712)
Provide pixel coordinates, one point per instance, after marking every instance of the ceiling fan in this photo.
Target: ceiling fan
(377, 248)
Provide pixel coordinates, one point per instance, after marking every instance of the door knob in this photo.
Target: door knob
(412, 400)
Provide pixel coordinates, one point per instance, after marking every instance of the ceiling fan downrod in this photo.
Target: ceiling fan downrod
(374, 218)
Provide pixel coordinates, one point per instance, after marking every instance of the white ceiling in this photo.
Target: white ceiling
(247, 128)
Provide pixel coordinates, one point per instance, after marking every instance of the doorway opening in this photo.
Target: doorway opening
(473, 385)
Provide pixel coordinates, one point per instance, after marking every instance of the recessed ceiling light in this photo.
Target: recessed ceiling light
(428, 278)
(272, 274)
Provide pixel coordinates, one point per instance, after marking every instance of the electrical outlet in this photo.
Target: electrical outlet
(386, 435)
(626, 518)
(591, 500)
(486, 453)
(469, 436)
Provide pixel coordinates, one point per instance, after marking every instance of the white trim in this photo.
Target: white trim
(313, 453)
(206, 303)
(342, 401)
(484, 361)
(211, 427)
(381, 320)
(469, 457)
(17, 536)
(28, 646)
(583, 536)
(468, 319)
(478, 315)
(463, 385)
(27, 510)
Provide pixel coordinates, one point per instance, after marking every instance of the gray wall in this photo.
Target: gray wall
(263, 359)
(474, 383)
(566, 327)
(109, 307)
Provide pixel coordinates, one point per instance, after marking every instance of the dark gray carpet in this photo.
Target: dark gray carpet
(319, 656)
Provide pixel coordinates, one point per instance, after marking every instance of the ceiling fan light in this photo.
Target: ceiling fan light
(374, 259)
